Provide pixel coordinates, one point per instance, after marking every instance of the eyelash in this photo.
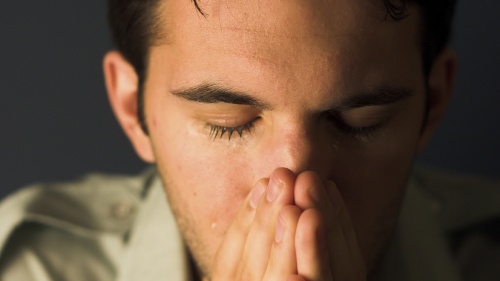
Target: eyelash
(217, 132)
(365, 133)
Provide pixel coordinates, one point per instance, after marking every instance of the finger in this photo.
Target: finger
(310, 192)
(231, 249)
(260, 238)
(356, 268)
(283, 260)
(312, 252)
(295, 277)
(345, 256)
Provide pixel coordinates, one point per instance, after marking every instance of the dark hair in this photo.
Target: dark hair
(437, 17)
(136, 26)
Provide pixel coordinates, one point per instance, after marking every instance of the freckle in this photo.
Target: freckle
(154, 121)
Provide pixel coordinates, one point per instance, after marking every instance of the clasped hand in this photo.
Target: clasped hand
(291, 227)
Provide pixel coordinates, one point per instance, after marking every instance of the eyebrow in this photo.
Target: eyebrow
(212, 93)
(383, 95)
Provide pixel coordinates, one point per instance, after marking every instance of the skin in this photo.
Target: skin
(302, 59)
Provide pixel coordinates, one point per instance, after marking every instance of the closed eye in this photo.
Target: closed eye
(361, 123)
(218, 132)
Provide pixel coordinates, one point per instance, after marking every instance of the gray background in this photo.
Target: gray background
(56, 124)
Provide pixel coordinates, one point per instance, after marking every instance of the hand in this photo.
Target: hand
(289, 228)
(326, 243)
(250, 250)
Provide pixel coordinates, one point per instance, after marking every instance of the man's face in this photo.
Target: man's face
(328, 86)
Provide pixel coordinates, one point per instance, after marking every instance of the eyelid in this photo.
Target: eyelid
(379, 107)
(224, 114)
(230, 121)
(363, 123)
(221, 108)
(374, 111)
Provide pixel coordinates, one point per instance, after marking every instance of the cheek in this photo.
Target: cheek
(375, 181)
(373, 177)
(206, 183)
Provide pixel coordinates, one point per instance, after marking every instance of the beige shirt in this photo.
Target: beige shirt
(121, 228)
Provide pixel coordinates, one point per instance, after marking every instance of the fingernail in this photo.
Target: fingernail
(256, 194)
(280, 230)
(316, 195)
(335, 194)
(275, 186)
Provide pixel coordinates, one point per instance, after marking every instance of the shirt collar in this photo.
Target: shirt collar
(419, 248)
(155, 248)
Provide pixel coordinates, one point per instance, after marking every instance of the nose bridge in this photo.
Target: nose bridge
(295, 145)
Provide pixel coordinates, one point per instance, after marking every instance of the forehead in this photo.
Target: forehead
(261, 21)
(292, 37)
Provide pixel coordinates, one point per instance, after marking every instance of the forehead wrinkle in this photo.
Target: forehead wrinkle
(279, 57)
(289, 19)
(269, 34)
(273, 47)
(254, 56)
(290, 14)
(290, 29)
(279, 21)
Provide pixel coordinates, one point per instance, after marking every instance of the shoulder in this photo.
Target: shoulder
(467, 208)
(462, 199)
(44, 223)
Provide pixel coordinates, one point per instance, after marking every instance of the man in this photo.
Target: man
(284, 134)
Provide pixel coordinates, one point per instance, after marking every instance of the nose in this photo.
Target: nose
(297, 145)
